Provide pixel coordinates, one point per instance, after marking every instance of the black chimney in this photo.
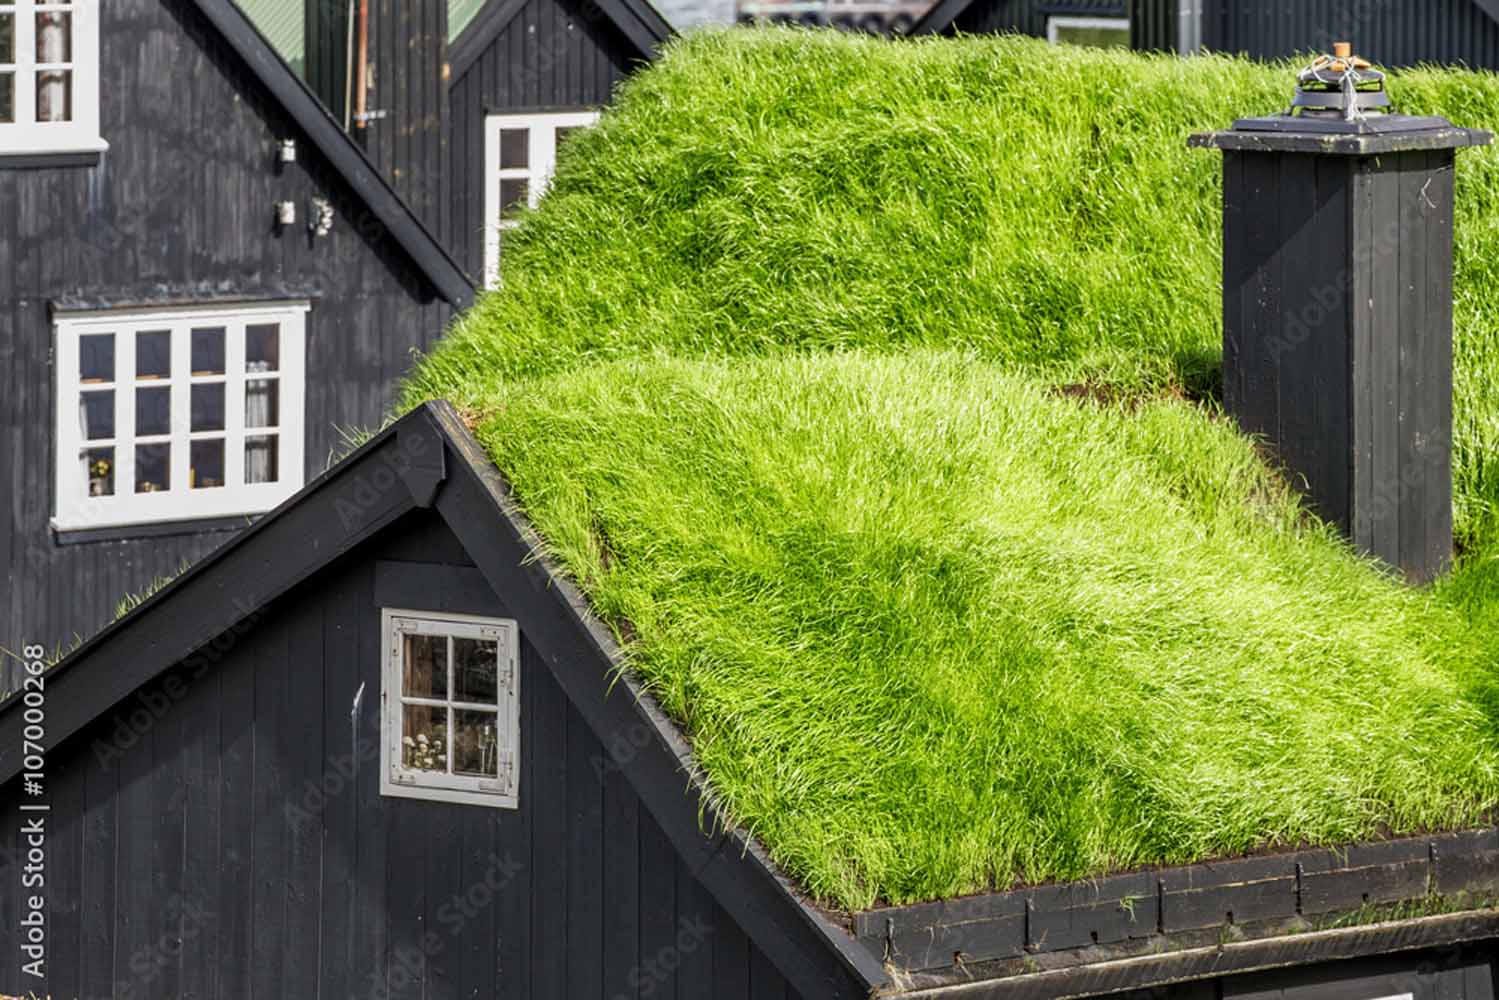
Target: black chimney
(1337, 305)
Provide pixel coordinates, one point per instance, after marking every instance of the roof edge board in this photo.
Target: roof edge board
(289, 90)
(640, 24)
(1489, 7)
(1232, 958)
(353, 496)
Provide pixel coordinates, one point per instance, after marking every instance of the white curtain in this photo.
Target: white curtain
(258, 450)
(52, 85)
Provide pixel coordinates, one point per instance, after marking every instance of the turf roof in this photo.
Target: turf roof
(774, 372)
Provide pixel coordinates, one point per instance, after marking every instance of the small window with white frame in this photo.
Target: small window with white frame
(520, 153)
(49, 77)
(450, 708)
(176, 414)
(1098, 32)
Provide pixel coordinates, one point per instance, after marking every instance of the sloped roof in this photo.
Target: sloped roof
(445, 276)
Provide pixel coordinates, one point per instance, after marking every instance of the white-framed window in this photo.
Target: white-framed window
(1099, 32)
(180, 413)
(450, 707)
(49, 77)
(520, 152)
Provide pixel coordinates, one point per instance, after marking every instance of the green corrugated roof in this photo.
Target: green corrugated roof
(281, 22)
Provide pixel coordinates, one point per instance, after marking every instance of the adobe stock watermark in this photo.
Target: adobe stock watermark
(408, 963)
(152, 702)
(367, 491)
(147, 963)
(657, 971)
(33, 810)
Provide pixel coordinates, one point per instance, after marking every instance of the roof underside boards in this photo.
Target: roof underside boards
(427, 459)
(394, 216)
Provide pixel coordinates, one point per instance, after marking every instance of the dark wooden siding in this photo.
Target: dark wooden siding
(1029, 16)
(407, 59)
(553, 54)
(230, 851)
(1391, 32)
(179, 209)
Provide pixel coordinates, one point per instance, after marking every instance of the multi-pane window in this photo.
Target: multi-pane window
(49, 76)
(1097, 32)
(450, 708)
(520, 153)
(179, 413)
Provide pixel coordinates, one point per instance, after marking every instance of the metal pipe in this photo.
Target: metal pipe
(361, 92)
(349, 66)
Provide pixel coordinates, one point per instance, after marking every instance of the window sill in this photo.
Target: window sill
(40, 160)
(160, 529)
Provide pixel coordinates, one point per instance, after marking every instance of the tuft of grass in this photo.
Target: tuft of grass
(775, 369)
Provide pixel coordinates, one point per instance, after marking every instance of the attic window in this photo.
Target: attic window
(1098, 32)
(49, 77)
(520, 153)
(450, 708)
(175, 414)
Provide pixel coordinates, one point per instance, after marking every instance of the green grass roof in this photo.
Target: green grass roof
(774, 372)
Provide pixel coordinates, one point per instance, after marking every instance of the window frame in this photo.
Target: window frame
(26, 136)
(541, 164)
(1055, 23)
(75, 510)
(399, 781)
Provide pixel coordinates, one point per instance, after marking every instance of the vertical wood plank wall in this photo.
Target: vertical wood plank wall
(553, 54)
(180, 208)
(1390, 32)
(229, 851)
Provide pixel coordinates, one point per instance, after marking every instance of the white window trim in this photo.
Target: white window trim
(402, 782)
(1057, 22)
(541, 161)
(28, 137)
(76, 510)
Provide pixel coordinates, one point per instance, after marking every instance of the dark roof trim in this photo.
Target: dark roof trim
(1489, 7)
(390, 475)
(429, 459)
(1234, 958)
(446, 277)
(941, 17)
(637, 20)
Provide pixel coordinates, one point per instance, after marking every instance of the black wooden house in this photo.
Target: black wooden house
(202, 278)
(231, 810)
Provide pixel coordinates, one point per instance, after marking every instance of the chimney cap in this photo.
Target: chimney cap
(1343, 50)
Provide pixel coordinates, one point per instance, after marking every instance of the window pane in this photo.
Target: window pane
(208, 351)
(96, 414)
(8, 38)
(512, 197)
(153, 467)
(206, 470)
(7, 97)
(474, 664)
(262, 460)
(475, 743)
(96, 358)
(54, 95)
(99, 471)
(208, 407)
(153, 354)
(425, 667)
(262, 403)
(263, 348)
(1103, 38)
(54, 37)
(424, 733)
(515, 149)
(153, 411)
